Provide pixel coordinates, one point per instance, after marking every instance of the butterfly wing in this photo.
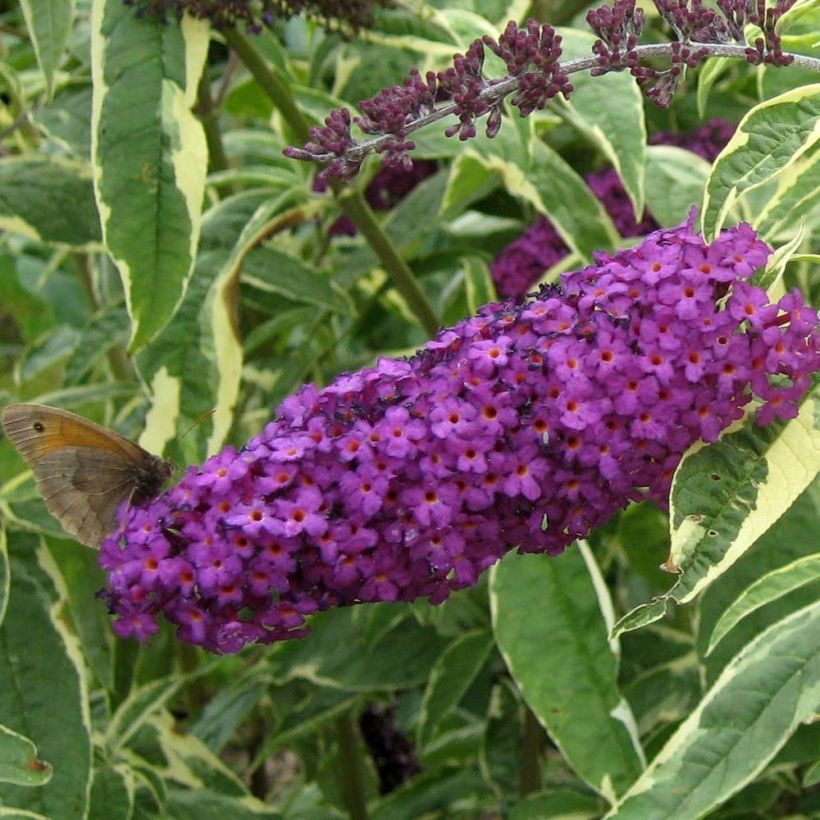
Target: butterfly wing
(83, 471)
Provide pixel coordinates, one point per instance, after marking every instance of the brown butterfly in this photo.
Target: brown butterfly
(83, 471)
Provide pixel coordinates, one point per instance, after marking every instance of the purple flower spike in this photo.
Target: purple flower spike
(524, 426)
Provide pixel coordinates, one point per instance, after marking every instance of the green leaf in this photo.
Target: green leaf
(49, 24)
(477, 282)
(501, 745)
(754, 706)
(608, 110)
(188, 760)
(561, 603)
(641, 616)
(450, 678)
(65, 122)
(360, 649)
(83, 577)
(812, 775)
(725, 496)
(796, 196)
(149, 154)
(426, 793)
(193, 365)
(57, 343)
(94, 341)
(706, 79)
(561, 804)
(770, 138)
(137, 709)
(470, 179)
(271, 270)
(43, 693)
(675, 180)
(19, 763)
(5, 572)
(204, 804)
(553, 188)
(49, 199)
(770, 587)
(112, 794)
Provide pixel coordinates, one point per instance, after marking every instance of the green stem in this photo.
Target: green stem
(351, 767)
(277, 91)
(217, 159)
(531, 751)
(351, 200)
(355, 206)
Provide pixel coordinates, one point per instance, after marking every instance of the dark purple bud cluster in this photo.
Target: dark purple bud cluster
(524, 426)
(619, 28)
(767, 49)
(256, 14)
(692, 22)
(532, 56)
(660, 85)
(522, 263)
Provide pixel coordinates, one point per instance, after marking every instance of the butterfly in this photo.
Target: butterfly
(83, 471)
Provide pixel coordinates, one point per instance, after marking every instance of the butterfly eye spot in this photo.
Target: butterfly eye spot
(39, 426)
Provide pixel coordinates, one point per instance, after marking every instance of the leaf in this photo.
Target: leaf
(796, 196)
(94, 341)
(137, 709)
(477, 282)
(49, 199)
(675, 180)
(539, 602)
(49, 24)
(502, 753)
(271, 270)
(360, 649)
(150, 158)
(770, 138)
(193, 365)
(5, 572)
(57, 343)
(204, 804)
(610, 115)
(750, 711)
(112, 794)
(469, 180)
(82, 578)
(65, 122)
(562, 804)
(553, 188)
(725, 496)
(19, 763)
(770, 587)
(706, 79)
(43, 694)
(450, 678)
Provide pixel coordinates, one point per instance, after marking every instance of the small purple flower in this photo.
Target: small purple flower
(523, 426)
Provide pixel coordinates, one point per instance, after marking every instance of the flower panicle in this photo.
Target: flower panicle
(525, 426)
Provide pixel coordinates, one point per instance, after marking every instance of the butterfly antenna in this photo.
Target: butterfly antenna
(199, 419)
